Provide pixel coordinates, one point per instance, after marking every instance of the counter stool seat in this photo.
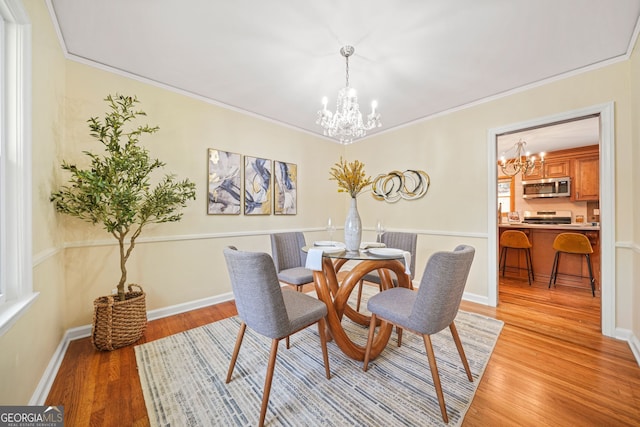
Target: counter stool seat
(515, 239)
(572, 243)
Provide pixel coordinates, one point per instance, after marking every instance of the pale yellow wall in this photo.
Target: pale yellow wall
(29, 345)
(452, 149)
(635, 185)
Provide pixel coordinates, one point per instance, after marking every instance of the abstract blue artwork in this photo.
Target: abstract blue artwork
(257, 186)
(285, 188)
(224, 183)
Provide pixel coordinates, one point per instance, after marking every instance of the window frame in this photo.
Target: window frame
(16, 266)
(512, 194)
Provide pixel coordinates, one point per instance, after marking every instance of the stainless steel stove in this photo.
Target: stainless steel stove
(547, 217)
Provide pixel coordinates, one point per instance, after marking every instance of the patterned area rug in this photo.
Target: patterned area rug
(183, 377)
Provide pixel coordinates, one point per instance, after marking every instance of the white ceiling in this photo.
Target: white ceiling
(277, 59)
(576, 133)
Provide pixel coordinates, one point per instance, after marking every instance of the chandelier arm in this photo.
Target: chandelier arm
(521, 163)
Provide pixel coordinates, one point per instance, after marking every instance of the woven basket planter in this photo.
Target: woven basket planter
(119, 323)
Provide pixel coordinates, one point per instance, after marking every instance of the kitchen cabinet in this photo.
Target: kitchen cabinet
(582, 164)
(586, 179)
(552, 168)
(557, 168)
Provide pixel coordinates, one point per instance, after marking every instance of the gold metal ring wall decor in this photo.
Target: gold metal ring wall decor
(396, 185)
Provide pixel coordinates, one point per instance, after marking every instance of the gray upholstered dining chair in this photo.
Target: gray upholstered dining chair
(289, 259)
(428, 310)
(269, 310)
(393, 239)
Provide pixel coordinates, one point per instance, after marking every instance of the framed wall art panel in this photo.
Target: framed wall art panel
(224, 191)
(285, 188)
(257, 186)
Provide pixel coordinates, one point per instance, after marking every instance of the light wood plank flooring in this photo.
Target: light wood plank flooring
(551, 367)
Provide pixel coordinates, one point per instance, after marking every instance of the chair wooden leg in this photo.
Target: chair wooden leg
(287, 341)
(367, 353)
(359, 295)
(267, 381)
(322, 328)
(399, 332)
(236, 350)
(463, 357)
(436, 376)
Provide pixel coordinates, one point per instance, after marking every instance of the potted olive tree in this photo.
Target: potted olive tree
(115, 191)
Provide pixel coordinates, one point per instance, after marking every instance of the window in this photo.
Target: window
(506, 199)
(16, 292)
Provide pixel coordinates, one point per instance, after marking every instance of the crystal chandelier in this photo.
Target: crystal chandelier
(521, 162)
(346, 124)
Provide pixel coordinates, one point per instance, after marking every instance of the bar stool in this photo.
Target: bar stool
(572, 243)
(514, 239)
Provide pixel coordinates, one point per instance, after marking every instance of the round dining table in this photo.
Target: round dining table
(335, 293)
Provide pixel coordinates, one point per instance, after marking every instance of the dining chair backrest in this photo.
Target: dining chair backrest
(405, 241)
(257, 292)
(441, 289)
(286, 249)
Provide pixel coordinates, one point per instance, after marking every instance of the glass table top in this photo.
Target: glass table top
(361, 255)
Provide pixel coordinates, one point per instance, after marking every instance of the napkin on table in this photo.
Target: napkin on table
(314, 259)
(407, 262)
(367, 245)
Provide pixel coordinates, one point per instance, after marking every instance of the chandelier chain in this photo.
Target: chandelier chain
(347, 73)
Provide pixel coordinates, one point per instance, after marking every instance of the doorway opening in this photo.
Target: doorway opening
(605, 208)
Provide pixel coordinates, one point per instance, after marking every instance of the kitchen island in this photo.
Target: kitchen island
(573, 269)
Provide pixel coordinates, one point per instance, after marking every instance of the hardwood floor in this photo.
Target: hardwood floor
(551, 367)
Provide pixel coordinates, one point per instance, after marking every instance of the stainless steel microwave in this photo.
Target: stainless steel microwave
(548, 187)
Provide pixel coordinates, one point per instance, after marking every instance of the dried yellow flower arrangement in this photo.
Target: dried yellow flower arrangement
(350, 176)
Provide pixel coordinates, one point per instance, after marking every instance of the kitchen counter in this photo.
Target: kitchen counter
(568, 227)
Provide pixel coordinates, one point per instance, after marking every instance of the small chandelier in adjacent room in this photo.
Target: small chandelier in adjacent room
(521, 162)
(346, 124)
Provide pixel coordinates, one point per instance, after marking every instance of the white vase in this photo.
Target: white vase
(353, 227)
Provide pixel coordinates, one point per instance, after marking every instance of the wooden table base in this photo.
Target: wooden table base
(336, 295)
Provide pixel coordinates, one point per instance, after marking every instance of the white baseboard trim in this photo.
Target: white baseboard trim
(46, 381)
(634, 343)
(41, 392)
(475, 298)
(159, 313)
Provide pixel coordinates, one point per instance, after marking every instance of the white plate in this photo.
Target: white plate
(386, 251)
(327, 243)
